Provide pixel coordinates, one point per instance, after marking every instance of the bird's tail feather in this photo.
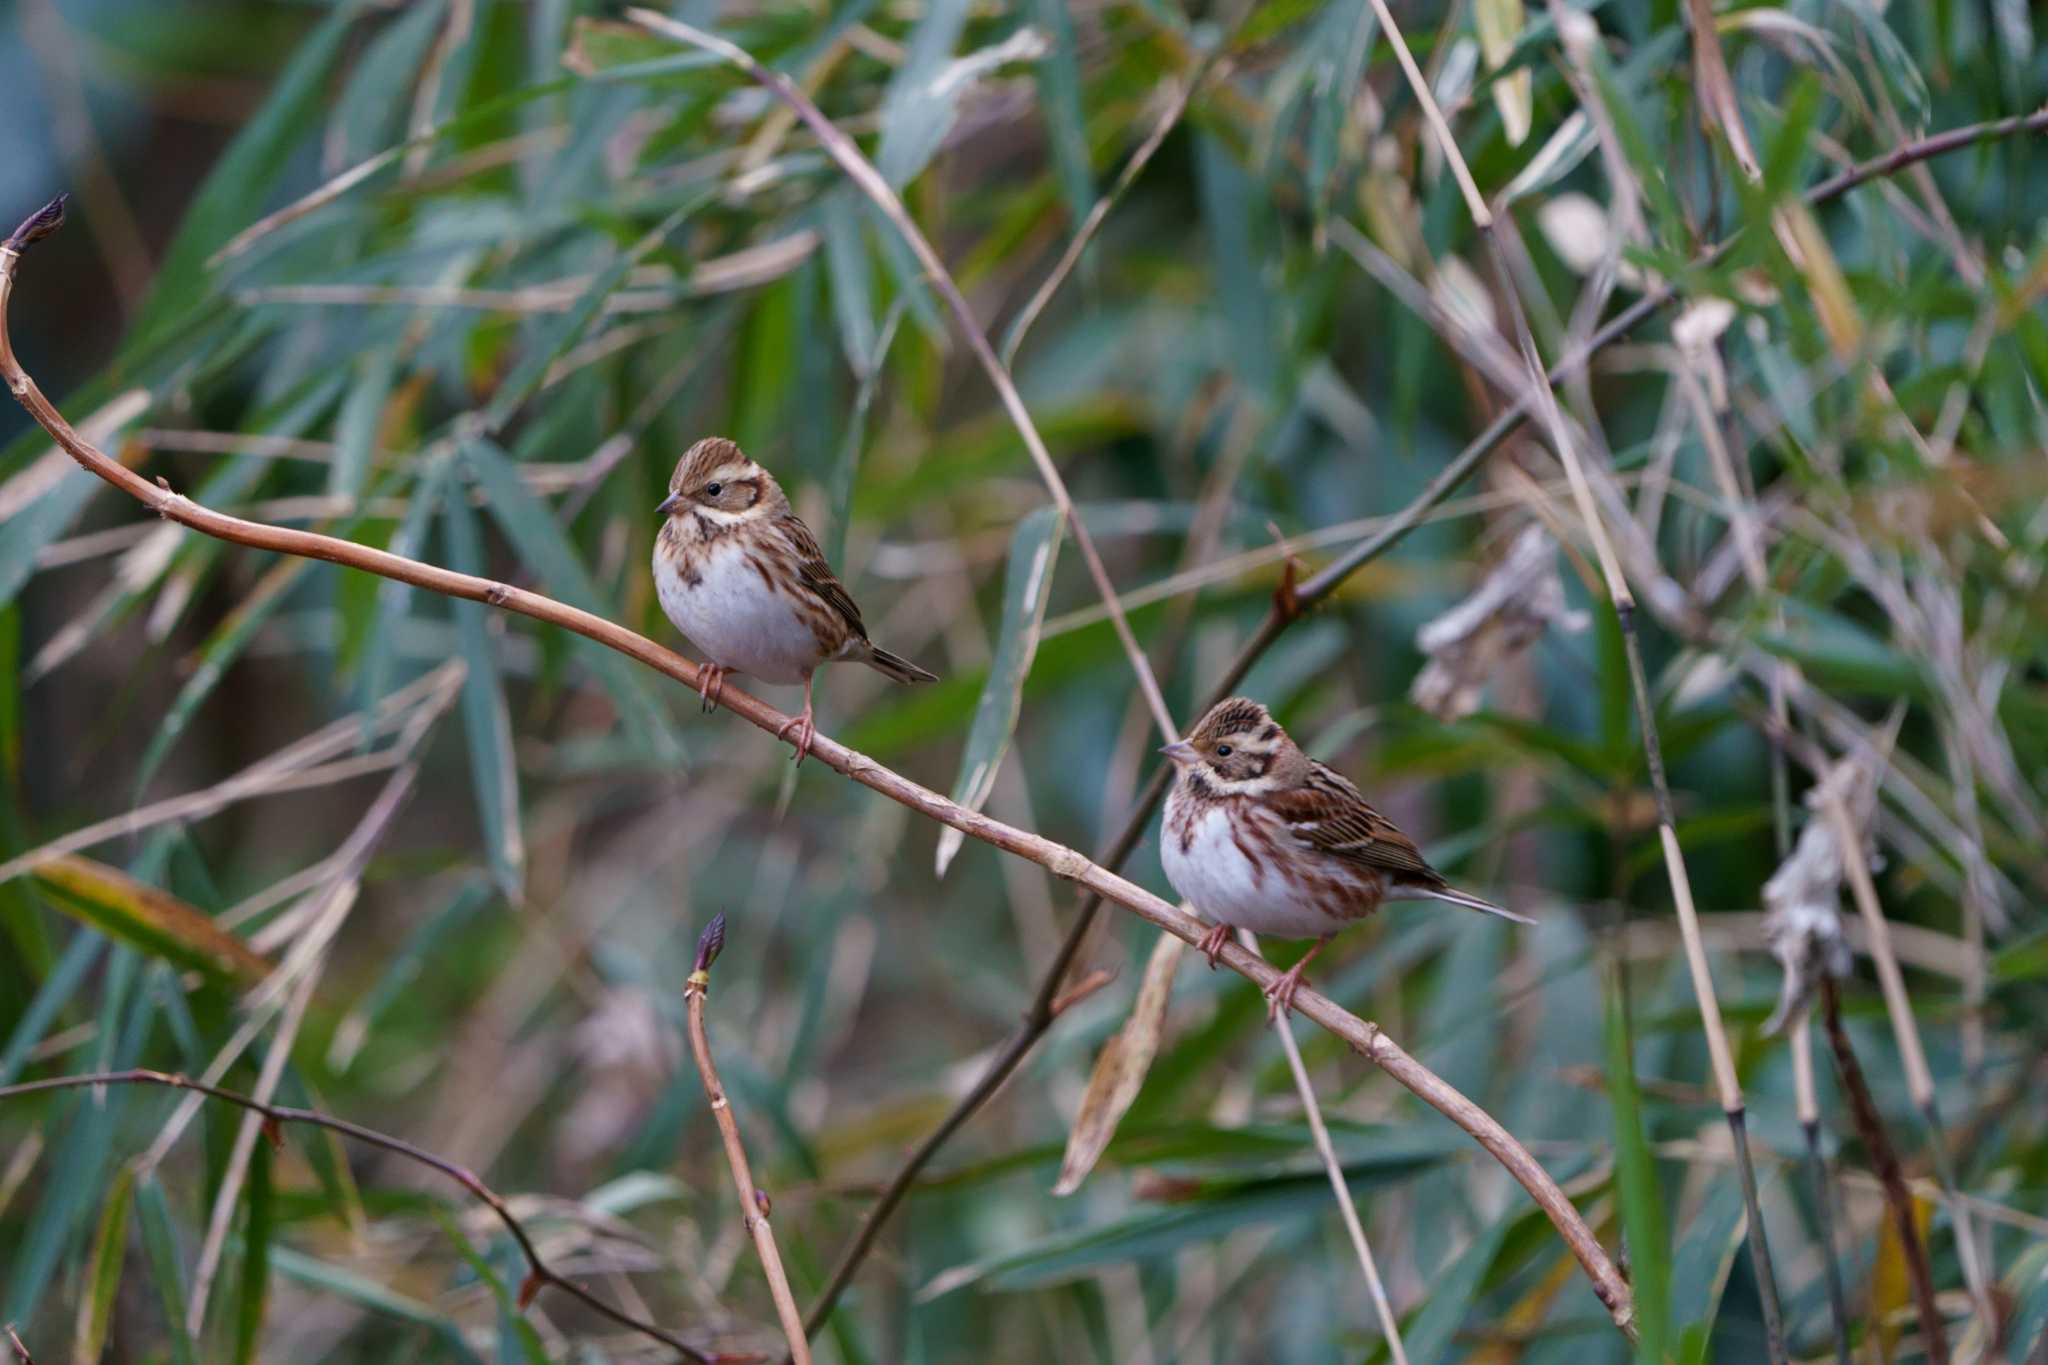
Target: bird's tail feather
(1471, 903)
(896, 666)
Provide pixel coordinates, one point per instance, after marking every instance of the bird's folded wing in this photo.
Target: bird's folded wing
(817, 575)
(1330, 815)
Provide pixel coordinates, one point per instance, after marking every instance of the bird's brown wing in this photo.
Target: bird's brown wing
(1330, 815)
(814, 573)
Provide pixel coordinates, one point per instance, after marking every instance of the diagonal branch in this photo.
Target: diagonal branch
(540, 1273)
(869, 181)
(1362, 1036)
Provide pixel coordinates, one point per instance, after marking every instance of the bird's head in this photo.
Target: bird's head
(1238, 749)
(716, 480)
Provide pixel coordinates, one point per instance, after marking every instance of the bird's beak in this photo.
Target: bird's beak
(667, 504)
(1180, 751)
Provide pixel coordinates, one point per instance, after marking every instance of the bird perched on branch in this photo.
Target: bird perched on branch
(741, 575)
(1260, 836)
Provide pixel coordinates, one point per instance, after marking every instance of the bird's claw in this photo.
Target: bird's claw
(1280, 995)
(711, 683)
(806, 731)
(1212, 943)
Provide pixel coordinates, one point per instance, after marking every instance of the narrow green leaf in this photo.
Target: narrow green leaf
(1059, 96)
(54, 994)
(851, 275)
(1027, 586)
(917, 113)
(84, 1132)
(1430, 1334)
(494, 776)
(394, 598)
(1642, 1201)
(255, 1280)
(246, 174)
(103, 1269)
(362, 414)
(166, 1264)
(1699, 1272)
(372, 109)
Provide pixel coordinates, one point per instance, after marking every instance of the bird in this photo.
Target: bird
(1260, 836)
(740, 574)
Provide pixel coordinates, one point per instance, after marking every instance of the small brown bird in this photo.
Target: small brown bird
(1260, 836)
(744, 579)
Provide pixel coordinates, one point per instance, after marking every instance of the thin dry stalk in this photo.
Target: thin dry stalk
(539, 1273)
(1362, 1036)
(1906, 1032)
(1885, 1160)
(20, 1351)
(753, 1199)
(1807, 1103)
(1390, 1328)
(869, 181)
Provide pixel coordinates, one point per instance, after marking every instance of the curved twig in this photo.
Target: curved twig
(539, 1273)
(1362, 1036)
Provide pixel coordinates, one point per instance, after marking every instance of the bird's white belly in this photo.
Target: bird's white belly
(735, 620)
(1225, 885)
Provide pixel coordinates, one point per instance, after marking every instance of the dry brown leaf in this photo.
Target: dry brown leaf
(1120, 1068)
(158, 922)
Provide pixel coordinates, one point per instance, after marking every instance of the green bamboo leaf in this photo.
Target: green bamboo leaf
(1059, 97)
(394, 599)
(851, 275)
(540, 540)
(917, 113)
(1155, 1232)
(254, 1293)
(372, 108)
(80, 956)
(103, 1269)
(1642, 1201)
(246, 175)
(222, 648)
(1027, 586)
(361, 417)
(494, 776)
(404, 969)
(83, 1135)
(1699, 1272)
(1431, 1333)
(1345, 37)
(153, 920)
(367, 1293)
(166, 1264)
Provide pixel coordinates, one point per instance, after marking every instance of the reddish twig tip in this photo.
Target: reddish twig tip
(529, 1287)
(37, 226)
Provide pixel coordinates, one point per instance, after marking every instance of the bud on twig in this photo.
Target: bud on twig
(710, 943)
(37, 226)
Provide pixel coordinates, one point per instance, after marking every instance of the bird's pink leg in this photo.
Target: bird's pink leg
(806, 727)
(1212, 943)
(1281, 992)
(711, 682)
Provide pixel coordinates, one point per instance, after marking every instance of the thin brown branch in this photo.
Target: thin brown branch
(1885, 1160)
(869, 181)
(753, 1199)
(1364, 1037)
(20, 1351)
(273, 1115)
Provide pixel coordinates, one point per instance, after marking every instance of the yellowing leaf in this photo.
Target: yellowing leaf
(1500, 24)
(1120, 1069)
(155, 921)
(1891, 1288)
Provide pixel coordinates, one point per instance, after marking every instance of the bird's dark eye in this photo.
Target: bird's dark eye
(1223, 751)
(712, 490)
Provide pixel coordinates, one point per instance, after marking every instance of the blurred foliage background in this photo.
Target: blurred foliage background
(478, 852)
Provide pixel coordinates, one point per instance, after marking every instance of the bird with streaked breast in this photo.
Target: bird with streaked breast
(738, 572)
(1260, 836)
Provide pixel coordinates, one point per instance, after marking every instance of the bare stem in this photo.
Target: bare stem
(539, 1273)
(1389, 1327)
(869, 181)
(753, 1199)
(1884, 1159)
